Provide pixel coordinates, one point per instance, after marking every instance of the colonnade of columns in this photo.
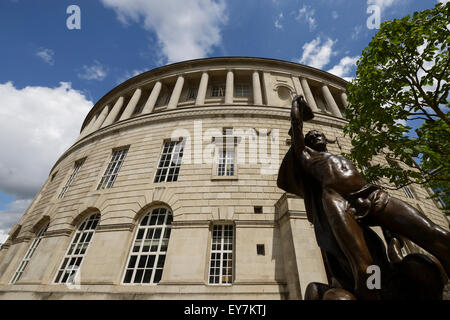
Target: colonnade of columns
(109, 113)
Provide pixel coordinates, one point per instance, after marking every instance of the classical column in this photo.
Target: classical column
(330, 101)
(298, 86)
(257, 95)
(151, 101)
(229, 89)
(175, 97)
(88, 126)
(308, 95)
(131, 105)
(344, 99)
(114, 112)
(101, 117)
(268, 88)
(201, 93)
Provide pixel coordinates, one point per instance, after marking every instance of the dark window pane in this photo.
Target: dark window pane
(160, 220)
(147, 276)
(158, 274)
(167, 233)
(132, 262)
(151, 261)
(58, 277)
(128, 276)
(161, 261)
(64, 279)
(140, 234)
(138, 276)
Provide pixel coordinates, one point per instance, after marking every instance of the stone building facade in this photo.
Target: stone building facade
(170, 190)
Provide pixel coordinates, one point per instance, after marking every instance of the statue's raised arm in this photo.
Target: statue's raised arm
(300, 112)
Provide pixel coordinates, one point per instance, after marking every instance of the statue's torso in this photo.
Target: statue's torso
(333, 171)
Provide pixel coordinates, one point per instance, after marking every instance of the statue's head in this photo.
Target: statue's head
(316, 140)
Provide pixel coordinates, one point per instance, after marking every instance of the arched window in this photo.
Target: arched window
(29, 254)
(148, 253)
(77, 250)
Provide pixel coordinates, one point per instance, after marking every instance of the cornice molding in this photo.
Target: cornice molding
(58, 233)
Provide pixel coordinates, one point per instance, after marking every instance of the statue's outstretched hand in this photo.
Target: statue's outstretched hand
(297, 109)
(300, 110)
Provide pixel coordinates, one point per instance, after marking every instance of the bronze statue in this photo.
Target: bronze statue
(342, 207)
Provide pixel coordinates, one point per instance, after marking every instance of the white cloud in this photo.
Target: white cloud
(11, 215)
(37, 124)
(97, 71)
(46, 55)
(344, 67)
(335, 15)
(278, 24)
(317, 55)
(306, 14)
(186, 29)
(443, 1)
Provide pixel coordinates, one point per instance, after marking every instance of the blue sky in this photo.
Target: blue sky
(50, 76)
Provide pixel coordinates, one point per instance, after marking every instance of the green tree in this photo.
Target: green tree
(399, 102)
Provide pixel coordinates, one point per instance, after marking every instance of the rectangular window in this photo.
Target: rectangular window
(112, 170)
(221, 262)
(218, 91)
(170, 162)
(163, 99)
(225, 155)
(241, 90)
(226, 163)
(257, 209)
(260, 250)
(192, 93)
(77, 168)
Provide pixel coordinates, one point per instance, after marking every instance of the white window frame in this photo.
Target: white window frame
(73, 259)
(242, 90)
(112, 170)
(23, 264)
(225, 154)
(158, 221)
(170, 160)
(77, 166)
(226, 162)
(221, 247)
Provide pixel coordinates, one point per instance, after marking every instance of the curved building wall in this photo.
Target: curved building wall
(213, 225)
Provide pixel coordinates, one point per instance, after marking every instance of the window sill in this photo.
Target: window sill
(226, 178)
